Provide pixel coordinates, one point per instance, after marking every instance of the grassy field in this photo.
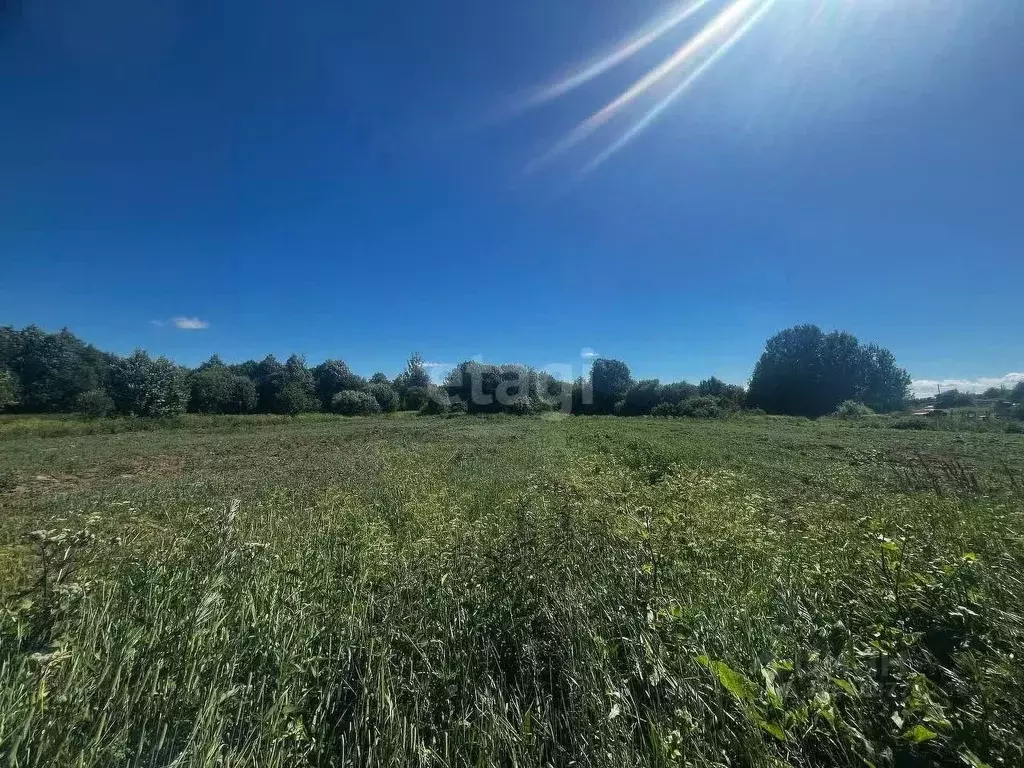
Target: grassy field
(468, 591)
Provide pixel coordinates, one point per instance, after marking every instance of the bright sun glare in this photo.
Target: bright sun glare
(698, 52)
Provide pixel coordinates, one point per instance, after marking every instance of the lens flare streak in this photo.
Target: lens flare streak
(616, 57)
(730, 16)
(676, 92)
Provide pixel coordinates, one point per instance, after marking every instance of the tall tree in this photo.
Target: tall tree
(144, 386)
(215, 389)
(610, 380)
(332, 377)
(805, 372)
(269, 376)
(53, 369)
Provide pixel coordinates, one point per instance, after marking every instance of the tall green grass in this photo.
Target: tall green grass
(623, 611)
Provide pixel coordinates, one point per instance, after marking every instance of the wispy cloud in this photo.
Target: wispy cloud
(190, 323)
(587, 352)
(436, 365)
(183, 323)
(926, 387)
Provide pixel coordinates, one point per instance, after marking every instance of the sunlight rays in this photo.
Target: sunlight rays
(678, 91)
(704, 48)
(616, 57)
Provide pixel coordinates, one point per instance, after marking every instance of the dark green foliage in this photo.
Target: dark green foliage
(285, 389)
(8, 390)
(269, 377)
(412, 384)
(610, 380)
(582, 396)
(437, 402)
(385, 395)
(1017, 394)
(52, 369)
(215, 389)
(851, 409)
(150, 387)
(486, 388)
(953, 398)
(642, 398)
(704, 407)
(333, 376)
(664, 410)
(678, 391)
(414, 398)
(802, 371)
(726, 395)
(293, 399)
(95, 403)
(997, 393)
(805, 372)
(354, 403)
(913, 423)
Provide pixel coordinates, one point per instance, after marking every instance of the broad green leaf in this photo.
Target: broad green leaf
(919, 734)
(846, 686)
(734, 682)
(773, 728)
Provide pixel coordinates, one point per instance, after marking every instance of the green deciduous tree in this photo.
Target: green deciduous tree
(805, 372)
(333, 376)
(642, 398)
(385, 395)
(144, 386)
(52, 369)
(610, 381)
(215, 389)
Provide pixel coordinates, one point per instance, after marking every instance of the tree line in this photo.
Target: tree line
(803, 371)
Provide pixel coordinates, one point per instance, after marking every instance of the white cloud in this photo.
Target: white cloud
(436, 365)
(587, 352)
(190, 323)
(927, 387)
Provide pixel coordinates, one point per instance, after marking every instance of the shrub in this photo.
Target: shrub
(520, 407)
(385, 395)
(437, 402)
(700, 408)
(348, 402)
(851, 409)
(217, 390)
(293, 399)
(953, 398)
(95, 403)
(664, 410)
(912, 422)
(415, 398)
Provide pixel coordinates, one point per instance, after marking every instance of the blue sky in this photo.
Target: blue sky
(348, 180)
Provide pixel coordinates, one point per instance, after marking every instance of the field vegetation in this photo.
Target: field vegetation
(492, 590)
